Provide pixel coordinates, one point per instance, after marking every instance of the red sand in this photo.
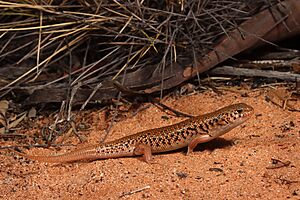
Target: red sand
(232, 167)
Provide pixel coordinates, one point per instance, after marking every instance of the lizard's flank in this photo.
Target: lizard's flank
(188, 133)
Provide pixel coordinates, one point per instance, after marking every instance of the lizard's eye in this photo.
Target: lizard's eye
(239, 110)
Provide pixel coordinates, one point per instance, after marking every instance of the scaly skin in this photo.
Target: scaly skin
(189, 133)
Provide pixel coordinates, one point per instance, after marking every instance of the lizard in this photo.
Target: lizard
(188, 133)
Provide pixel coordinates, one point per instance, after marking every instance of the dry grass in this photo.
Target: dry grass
(87, 41)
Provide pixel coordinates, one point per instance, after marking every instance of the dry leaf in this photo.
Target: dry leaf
(17, 121)
(14, 123)
(280, 97)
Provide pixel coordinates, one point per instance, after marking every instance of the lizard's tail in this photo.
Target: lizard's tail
(80, 154)
(88, 153)
(64, 158)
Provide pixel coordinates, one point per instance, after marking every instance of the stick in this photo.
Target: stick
(229, 70)
(135, 191)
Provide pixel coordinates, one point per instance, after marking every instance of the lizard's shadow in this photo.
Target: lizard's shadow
(218, 143)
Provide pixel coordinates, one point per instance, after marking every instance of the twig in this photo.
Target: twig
(278, 164)
(134, 191)
(229, 70)
(125, 89)
(80, 137)
(109, 127)
(89, 98)
(176, 112)
(128, 91)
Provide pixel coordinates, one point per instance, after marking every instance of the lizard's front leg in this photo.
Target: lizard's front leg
(196, 141)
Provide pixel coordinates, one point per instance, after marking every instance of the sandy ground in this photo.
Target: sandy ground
(240, 165)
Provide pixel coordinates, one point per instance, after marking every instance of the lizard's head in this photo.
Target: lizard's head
(238, 111)
(227, 118)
